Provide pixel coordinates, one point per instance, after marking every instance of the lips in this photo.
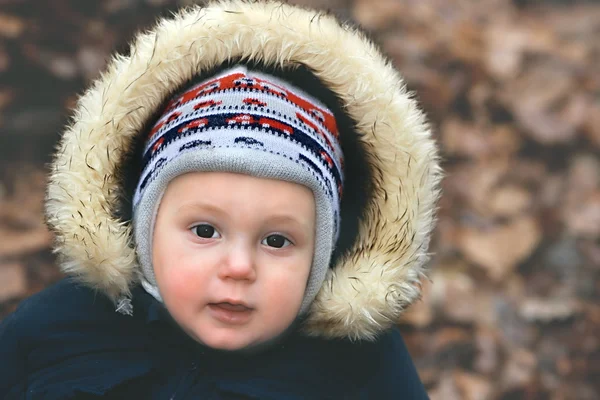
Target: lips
(231, 313)
(231, 306)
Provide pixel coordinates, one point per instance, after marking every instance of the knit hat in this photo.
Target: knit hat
(246, 122)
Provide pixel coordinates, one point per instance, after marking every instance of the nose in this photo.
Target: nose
(239, 264)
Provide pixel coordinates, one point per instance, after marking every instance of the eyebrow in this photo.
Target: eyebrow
(278, 218)
(203, 207)
(283, 218)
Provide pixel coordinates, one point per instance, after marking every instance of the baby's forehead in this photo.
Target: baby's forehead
(238, 195)
(233, 184)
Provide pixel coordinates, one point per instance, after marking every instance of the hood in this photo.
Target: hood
(379, 274)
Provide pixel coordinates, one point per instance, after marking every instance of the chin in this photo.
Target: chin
(226, 346)
(224, 342)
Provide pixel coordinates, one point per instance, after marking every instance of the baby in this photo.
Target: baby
(237, 208)
(242, 208)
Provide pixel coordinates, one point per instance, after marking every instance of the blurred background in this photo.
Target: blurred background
(512, 89)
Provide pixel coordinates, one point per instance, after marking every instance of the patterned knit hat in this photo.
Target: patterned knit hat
(244, 122)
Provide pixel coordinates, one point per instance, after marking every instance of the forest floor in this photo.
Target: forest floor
(512, 89)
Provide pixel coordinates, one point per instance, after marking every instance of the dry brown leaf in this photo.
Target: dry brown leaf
(509, 200)
(24, 209)
(581, 210)
(449, 338)
(487, 359)
(533, 101)
(409, 48)
(543, 126)
(466, 42)
(536, 309)
(505, 45)
(434, 89)
(4, 59)
(533, 89)
(454, 293)
(550, 194)
(504, 140)
(527, 171)
(471, 386)
(576, 110)
(377, 14)
(473, 183)
(11, 26)
(21, 215)
(446, 390)
(6, 96)
(592, 252)
(584, 176)
(463, 138)
(500, 249)
(591, 124)
(13, 281)
(444, 237)
(584, 219)
(91, 60)
(14, 243)
(60, 65)
(519, 369)
(576, 28)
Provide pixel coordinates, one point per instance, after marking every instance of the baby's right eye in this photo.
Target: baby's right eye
(206, 231)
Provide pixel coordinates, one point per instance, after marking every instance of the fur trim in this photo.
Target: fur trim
(370, 286)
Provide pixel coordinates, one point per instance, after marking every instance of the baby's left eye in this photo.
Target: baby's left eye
(205, 231)
(276, 241)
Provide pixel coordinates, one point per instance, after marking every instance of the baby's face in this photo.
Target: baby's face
(232, 255)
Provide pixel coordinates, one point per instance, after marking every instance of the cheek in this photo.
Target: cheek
(284, 295)
(285, 290)
(177, 286)
(175, 270)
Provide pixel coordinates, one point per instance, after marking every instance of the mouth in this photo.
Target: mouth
(231, 312)
(231, 306)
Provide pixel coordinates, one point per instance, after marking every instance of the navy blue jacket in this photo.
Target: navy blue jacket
(68, 342)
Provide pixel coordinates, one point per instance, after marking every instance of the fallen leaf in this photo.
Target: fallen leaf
(500, 249)
(473, 183)
(11, 26)
(505, 45)
(591, 125)
(15, 243)
(536, 309)
(471, 386)
(4, 59)
(376, 14)
(464, 138)
(13, 281)
(584, 219)
(509, 200)
(487, 360)
(446, 389)
(453, 292)
(519, 369)
(533, 102)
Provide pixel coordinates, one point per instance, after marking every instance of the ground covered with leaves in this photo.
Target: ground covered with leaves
(512, 90)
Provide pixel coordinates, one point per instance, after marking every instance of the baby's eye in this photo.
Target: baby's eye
(276, 241)
(206, 231)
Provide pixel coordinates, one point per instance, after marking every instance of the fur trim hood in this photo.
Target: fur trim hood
(378, 276)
